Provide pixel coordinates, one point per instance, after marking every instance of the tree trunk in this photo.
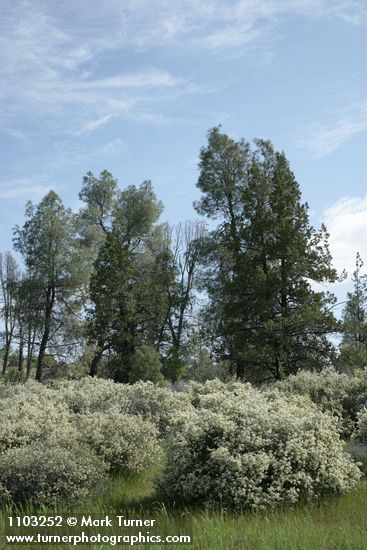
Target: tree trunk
(240, 369)
(21, 356)
(50, 298)
(96, 358)
(5, 360)
(30, 348)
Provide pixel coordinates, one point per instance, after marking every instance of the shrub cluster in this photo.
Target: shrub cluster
(340, 394)
(144, 399)
(127, 444)
(57, 442)
(226, 444)
(44, 475)
(240, 448)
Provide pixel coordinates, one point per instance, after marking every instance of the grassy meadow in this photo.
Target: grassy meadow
(332, 523)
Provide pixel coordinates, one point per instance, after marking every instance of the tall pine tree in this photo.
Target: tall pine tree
(263, 259)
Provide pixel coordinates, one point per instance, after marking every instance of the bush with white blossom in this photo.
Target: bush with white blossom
(144, 399)
(28, 417)
(338, 393)
(226, 444)
(240, 448)
(46, 475)
(127, 444)
(360, 435)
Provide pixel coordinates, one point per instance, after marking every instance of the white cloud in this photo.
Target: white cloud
(23, 189)
(150, 78)
(111, 148)
(322, 140)
(51, 52)
(346, 221)
(92, 125)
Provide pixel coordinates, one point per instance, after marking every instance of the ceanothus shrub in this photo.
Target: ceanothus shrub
(28, 417)
(144, 399)
(46, 475)
(89, 395)
(128, 444)
(242, 449)
(338, 393)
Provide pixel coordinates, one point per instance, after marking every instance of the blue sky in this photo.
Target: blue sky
(133, 86)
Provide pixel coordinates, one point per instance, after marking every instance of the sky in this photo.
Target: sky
(133, 86)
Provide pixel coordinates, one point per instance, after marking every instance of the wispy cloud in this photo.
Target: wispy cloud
(92, 125)
(23, 189)
(322, 139)
(53, 55)
(111, 148)
(219, 23)
(51, 73)
(150, 78)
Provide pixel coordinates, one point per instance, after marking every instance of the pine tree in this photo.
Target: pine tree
(262, 260)
(355, 311)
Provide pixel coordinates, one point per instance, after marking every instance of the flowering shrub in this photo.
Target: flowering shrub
(28, 418)
(144, 399)
(89, 394)
(69, 418)
(126, 443)
(45, 475)
(237, 447)
(338, 393)
(227, 444)
(154, 403)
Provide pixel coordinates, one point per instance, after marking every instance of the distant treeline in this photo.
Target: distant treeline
(112, 290)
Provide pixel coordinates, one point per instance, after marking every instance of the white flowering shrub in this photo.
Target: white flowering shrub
(45, 475)
(127, 444)
(33, 417)
(89, 395)
(239, 448)
(226, 444)
(145, 399)
(338, 393)
(154, 403)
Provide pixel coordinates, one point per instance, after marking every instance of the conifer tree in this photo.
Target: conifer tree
(262, 259)
(355, 310)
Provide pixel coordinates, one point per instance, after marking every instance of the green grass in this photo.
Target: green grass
(333, 523)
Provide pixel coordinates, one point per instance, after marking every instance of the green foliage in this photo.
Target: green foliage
(239, 448)
(146, 365)
(355, 310)
(352, 357)
(99, 196)
(50, 248)
(263, 315)
(123, 316)
(203, 368)
(360, 435)
(9, 280)
(175, 367)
